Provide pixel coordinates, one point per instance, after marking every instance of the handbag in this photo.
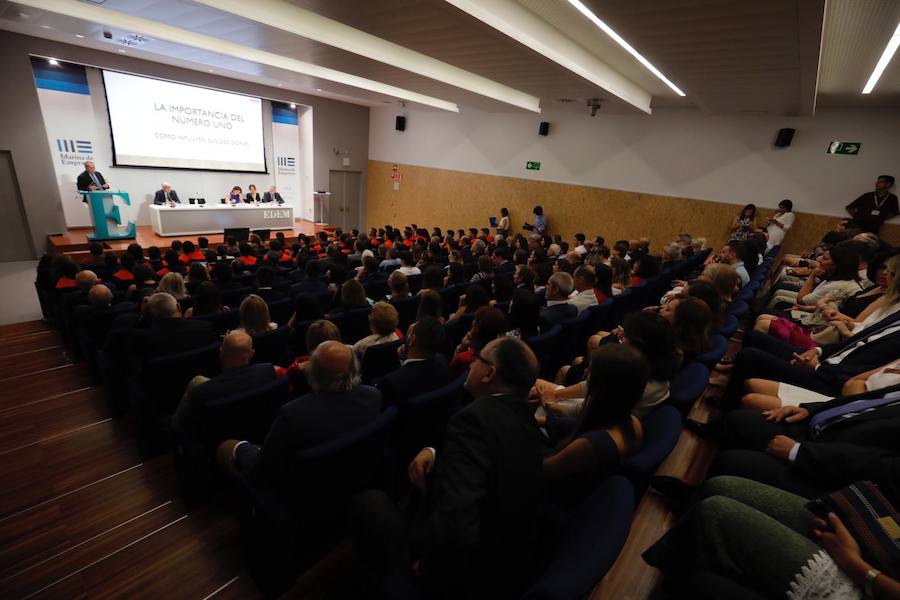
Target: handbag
(870, 518)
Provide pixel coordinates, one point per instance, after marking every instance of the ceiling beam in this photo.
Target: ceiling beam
(522, 25)
(177, 35)
(313, 26)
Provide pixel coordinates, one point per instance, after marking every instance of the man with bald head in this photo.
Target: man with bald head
(85, 280)
(168, 333)
(337, 405)
(237, 375)
(480, 537)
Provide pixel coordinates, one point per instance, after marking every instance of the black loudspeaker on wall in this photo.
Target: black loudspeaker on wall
(401, 124)
(544, 128)
(784, 137)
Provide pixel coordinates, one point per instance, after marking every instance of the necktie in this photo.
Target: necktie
(96, 181)
(825, 419)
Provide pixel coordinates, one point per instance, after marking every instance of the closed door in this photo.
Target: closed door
(344, 203)
(15, 236)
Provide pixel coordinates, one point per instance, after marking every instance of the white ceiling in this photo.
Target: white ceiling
(729, 56)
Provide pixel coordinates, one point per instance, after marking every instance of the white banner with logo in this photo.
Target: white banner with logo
(71, 131)
(286, 148)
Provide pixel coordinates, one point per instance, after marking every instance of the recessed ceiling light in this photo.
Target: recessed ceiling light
(122, 50)
(293, 105)
(210, 71)
(46, 27)
(24, 15)
(318, 89)
(279, 85)
(53, 61)
(160, 31)
(313, 26)
(619, 40)
(78, 35)
(882, 64)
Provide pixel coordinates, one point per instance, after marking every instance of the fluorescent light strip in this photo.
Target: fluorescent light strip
(308, 24)
(154, 29)
(525, 27)
(618, 39)
(883, 62)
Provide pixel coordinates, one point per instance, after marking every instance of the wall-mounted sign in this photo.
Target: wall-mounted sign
(532, 166)
(843, 148)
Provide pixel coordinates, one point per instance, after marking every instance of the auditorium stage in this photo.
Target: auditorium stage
(75, 243)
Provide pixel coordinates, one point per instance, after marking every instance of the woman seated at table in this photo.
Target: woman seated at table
(252, 196)
(234, 196)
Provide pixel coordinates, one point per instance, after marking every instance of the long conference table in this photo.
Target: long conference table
(193, 219)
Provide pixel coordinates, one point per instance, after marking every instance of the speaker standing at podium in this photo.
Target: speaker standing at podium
(166, 195)
(91, 180)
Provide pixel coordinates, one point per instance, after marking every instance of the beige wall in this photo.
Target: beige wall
(443, 198)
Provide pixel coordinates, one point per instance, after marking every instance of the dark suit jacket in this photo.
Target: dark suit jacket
(170, 336)
(415, 378)
(160, 197)
(556, 314)
(270, 295)
(305, 422)
(309, 286)
(252, 197)
(507, 268)
(870, 356)
(225, 385)
(865, 446)
(267, 197)
(487, 495)
(84, 180)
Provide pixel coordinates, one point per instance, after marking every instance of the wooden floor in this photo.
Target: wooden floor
(74, 241)
(81, 516)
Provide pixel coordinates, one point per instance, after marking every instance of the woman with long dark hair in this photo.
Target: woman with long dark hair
(606, 430)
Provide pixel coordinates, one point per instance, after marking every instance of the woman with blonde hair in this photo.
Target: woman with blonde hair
(255, 319)
(383, 321)
(173, 283)
(724, 278)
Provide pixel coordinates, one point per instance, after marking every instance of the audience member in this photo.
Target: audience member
(337, 405)
(255, 319)
(383, 322)
(583, 297)
(423, 366)
(489, 324)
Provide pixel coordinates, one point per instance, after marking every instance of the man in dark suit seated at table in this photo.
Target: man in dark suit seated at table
(168, 332)
(559, 309)
(480, 537)
(817, 447)
(237, 375)
(90, 180)
(424, 368)
(166, 195)
(273, 196)
(337, 405)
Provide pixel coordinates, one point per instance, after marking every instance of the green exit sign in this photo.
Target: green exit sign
(843, 148)
(532, 166)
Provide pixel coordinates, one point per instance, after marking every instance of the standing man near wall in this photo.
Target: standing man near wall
(872, 209)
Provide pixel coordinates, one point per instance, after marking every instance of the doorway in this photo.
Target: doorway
(15, 235)
(343, 206)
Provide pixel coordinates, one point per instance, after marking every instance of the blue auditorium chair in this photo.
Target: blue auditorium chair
(546, 347)
(738, 309)
(354, 325)
(456, 329)
(286, 530)
(589, 543)
(272, 347)
(379, 360)
(715, 353)
(224, 321)
(406, 309)
(729, 326)
(688, 385)
(280, 311)
(662, 427)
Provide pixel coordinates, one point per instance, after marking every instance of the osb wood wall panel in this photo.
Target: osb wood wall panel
(443, 198)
